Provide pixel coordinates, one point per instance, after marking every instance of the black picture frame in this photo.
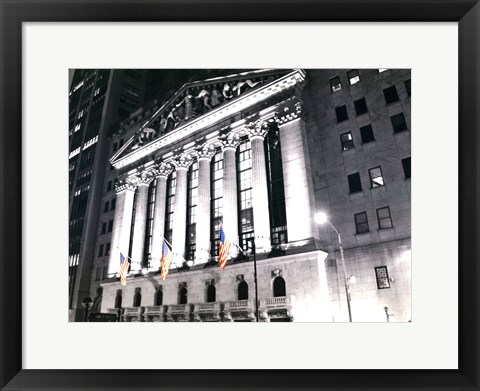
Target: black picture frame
(14, 13)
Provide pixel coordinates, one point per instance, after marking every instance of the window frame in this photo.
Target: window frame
(384, 218)
(354, 175)
(357, 224)
(345, 143)
(373, 185)
(377, 278)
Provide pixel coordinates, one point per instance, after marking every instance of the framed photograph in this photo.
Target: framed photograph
(172, 171)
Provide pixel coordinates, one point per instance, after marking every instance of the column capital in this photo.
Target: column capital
(257, 129)
(128, 183)
(146, 177)
(205, 151)
(229, 141)
(290, 110)
(182, 162)
(163, 170)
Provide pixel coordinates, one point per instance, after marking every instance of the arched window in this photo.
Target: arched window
(118, 301)
(159, 297)
(137, 299)
(279, 287)
(182, 296)
(243, 291)
(211, 293)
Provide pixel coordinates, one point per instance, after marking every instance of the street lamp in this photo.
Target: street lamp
(87, 303)
(321, 218)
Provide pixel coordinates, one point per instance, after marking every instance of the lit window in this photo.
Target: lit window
(376, 177)
(347, 141)
(353, 76)
(360, 106)
(97, 91)
(80, 115)
(354, 182)
(390, 94)
(335, 84)
(382, 277)
(361, 223)
(398, 123)
(341, 113)
(366, 133)
(380, 70)
(406, 166)
(384, 218)
(77, 128)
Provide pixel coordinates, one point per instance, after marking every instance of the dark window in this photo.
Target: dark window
(243, 291)
(354, 182)
(182, 296)
(366, 132)
(381, 273)
(107, 249)
(121, 143)
(347, 141)
(104, 227)
(376, 177)
(114, 203)
(211, 293)
(105, 208)
(406, 166)
(342, 114)
(408, 86)
(335, 84)
(100, 251)
(98, 274)
(279, 287)
(360, 106)
(398, 122)
(110, 225)
(384, 218)
(109, 185)
(390, 94)
(159, 297)
(118, 301)
(361, 223)
(353, 76)
(137, 299)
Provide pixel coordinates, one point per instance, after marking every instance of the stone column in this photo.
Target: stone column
(297, 177)
(162, 171)
(122, 223)
(180, 211)
(261, 215)
(230, 203)
(140, 222)
(203, 227)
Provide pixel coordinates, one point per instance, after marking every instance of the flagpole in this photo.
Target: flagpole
(254, 249)
(232, 241)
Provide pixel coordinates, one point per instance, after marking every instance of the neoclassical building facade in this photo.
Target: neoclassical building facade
(235, 152)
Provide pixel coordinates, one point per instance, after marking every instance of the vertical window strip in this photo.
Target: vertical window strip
(216, 207)
(170, 204)
(244, 177)
(192, 211)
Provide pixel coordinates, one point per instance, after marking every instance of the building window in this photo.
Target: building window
(158, 297)
(353, 76)
(113, 204)
(191, 212)
(105, 207)
(137, 298)
(361, 223)
(115, 147)
(110, 226)
(243, 291)
(107, 249)
(376, 177)
(354, 182)
(118, 299)
(347, 141)
(384, 218)
(77, 127)
(335, 84)
(98, 274)
(170, 205)
(408, 86)
(398, 123)
(366, 133)
(100, 251)
(360, 106)
(147, 249)
(341, 112)
(381, 274)
(216, 200)
(406, 167)
(104, 227)
(109, 185)
(182, 295)
(244, 175)
(380, 70)
(390, 94)
(211, 293)
(279, 287)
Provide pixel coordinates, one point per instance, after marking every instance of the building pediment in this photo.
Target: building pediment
(201, 104)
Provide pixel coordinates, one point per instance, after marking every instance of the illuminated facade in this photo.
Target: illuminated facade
(260, 153)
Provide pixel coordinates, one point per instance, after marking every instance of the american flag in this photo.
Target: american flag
(223, 249)
(167, 257)
(124, 265)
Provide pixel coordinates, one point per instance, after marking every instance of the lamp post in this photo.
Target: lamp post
(254, 250)
(321, 218)
(87, 303)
